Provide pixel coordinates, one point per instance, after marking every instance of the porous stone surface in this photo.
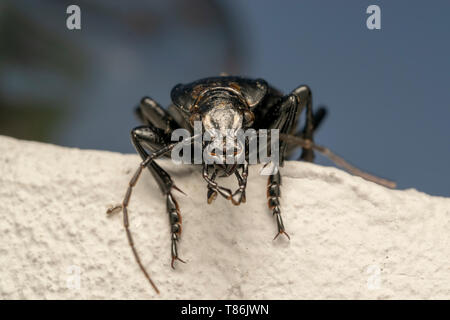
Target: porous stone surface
(349, 238)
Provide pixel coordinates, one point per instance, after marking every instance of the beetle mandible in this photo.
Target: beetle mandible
(225, 104)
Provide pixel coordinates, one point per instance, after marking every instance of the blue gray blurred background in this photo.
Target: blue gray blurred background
(387, 90)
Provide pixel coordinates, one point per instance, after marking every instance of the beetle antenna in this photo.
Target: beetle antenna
(308, 144)
(125, 202)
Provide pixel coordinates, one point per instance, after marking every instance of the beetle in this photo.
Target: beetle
(225, 105)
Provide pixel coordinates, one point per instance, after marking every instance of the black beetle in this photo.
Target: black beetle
(225, 104)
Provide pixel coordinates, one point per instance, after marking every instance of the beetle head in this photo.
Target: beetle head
(224, 116)
(224, 106)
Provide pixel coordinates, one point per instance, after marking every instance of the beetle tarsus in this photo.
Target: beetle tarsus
(172, 264)
(211, 195)
(175, 237)
(273, 196)
(282, 232)
(239, 195)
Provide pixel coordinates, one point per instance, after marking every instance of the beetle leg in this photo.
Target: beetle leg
(239, 194)
(273, 196)
(213, 188)
(305, 100)
(285, 116)
(175, 224)
(225, 192)
(150, 112)
(141, 136)
(318, 117)
(211, 194)
(148, 160)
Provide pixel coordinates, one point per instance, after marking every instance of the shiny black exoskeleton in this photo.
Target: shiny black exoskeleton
(225, 104)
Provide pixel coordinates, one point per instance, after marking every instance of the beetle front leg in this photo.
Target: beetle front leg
(175, 226)
(145, 135)
(211, 194)
(285, 116)
(239, 194)
(149, 159)
(213, 187)
(273, 197)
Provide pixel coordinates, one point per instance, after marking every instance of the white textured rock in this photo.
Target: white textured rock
(349, 238)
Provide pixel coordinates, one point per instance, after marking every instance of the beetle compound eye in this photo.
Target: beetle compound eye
(194, 117)
(249, 118)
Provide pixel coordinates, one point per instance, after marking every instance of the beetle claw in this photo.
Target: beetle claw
(211, 196)
(173, 261)
(238, 198)
(282, 232)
